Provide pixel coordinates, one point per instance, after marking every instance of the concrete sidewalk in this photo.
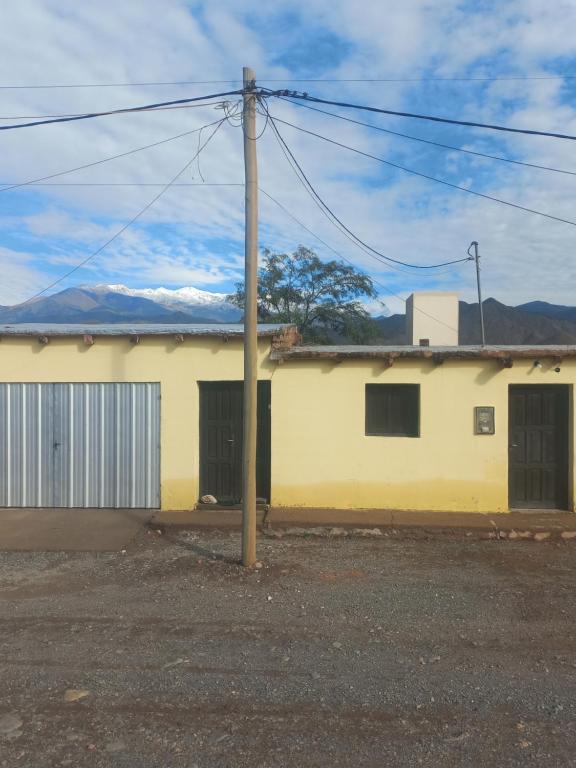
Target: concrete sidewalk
(520, 524)
(70, 530)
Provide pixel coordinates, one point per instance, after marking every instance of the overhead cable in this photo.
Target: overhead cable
(331, 213)
(264, 92)
(450, 121)
(429, 141)
(427, 176)
(126, 110)
(43, 86)
(336, 222)
(79, 114)
(105, 159)
(132, 184)
(367, 80)
(465, 79)
(303, 180)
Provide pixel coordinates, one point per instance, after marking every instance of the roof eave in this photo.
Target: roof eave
(37, 330)
(435, 354)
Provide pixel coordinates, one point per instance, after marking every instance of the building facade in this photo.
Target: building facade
(459, 429)
(150, 416)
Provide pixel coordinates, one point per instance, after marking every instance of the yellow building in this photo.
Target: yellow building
(149, 416)
(424, 428)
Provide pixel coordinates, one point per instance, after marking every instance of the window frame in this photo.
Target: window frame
(369, 430)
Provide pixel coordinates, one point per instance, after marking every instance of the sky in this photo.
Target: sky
(505, 62)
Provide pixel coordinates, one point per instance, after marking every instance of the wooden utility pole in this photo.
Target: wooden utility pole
(250, 322)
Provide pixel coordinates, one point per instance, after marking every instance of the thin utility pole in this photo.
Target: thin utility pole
(476, 257)
(250, 322)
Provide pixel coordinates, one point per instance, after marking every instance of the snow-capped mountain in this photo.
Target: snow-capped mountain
(169, 297)
(119, 303)
(188, 300)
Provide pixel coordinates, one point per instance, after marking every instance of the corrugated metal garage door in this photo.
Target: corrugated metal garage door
(80, 445)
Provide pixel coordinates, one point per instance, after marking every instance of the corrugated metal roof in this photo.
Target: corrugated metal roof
(136, 329)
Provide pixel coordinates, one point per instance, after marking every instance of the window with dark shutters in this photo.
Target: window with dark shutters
(393, 410)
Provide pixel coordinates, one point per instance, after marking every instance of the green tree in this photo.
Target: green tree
(321, 297)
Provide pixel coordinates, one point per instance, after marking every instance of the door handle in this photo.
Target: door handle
(229, 441)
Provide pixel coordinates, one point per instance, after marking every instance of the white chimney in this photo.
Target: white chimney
(432, 319)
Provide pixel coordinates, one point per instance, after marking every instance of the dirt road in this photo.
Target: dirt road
(353, 652)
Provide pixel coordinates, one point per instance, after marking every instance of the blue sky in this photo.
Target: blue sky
(194, 234)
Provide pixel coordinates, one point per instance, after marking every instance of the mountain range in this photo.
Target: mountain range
(119, 304)
(536, 322)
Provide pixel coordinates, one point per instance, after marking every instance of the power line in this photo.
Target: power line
(348, 261)
(135, 218)
(131, 184)
(81, 114)
(282, 93)
(125, 110)
(324, 243)
(303, 179)
(368, 80)
(336, 223)
(450, 121)
(120, 85)
(427, 176)
(34, 182)
(429, 141)
(334, 217)
(420, 79)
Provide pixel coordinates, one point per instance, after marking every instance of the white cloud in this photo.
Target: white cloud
(21, 279)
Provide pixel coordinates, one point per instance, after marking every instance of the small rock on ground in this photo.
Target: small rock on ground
(75, 694)
(541, 536)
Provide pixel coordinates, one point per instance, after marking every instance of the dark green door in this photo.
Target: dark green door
(221, 441)
(538, 446)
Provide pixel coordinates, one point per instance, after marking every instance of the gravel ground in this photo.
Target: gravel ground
(355, 652)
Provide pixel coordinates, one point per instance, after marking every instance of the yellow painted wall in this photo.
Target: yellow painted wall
(178, 368)
(322, 458)
(320, 454)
